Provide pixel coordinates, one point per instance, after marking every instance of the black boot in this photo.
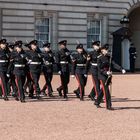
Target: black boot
(110, 108)
(81, 98)
(97, 104)
(59, 91)
(22, 100)
(38, 96)
(65, 96)
(50, 94)
(16, 98)
(77, 94)
(5, 98)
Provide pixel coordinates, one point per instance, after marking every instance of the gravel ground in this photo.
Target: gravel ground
(57, 119)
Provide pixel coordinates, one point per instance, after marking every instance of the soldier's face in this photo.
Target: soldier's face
(79, 50)
(18, 49)
(33, 47)
(47, 49)
(104, 51)
(62, 46)
(96, 47)
(3, 46)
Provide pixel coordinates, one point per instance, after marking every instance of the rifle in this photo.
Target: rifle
(109, 79)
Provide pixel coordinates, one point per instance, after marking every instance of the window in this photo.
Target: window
(93, 31)
(42, 30)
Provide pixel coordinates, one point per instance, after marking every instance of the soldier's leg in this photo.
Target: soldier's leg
(80, 80)
(133, 65)
(35, 78)
(3, 79)
(85, 82)
(96, 83)
(45, 85)
(106, 94)
(51, 77)
(29, 84)
(20, 80)
(50, 90)
(64, 83)
(77, 92)
(14, 87)
(60, 88)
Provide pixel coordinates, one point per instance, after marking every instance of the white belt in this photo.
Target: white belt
(63, 62)
(2, 61)
(81, 65)
(35, 63)
(17, 65)
(94, 64)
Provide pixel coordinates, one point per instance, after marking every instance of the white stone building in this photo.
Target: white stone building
(83, 20)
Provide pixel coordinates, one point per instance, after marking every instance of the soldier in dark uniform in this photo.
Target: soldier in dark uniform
(28, 84)
(132, 56)
(62, 59)
(79, 70)
(105, 64)
(35, 62)
(92, 64)
(3, 68)
(11, 76)
(18, 62)
(48, 59)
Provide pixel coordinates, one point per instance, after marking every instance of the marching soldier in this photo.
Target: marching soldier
(3, 68)
(105, 63)
(34, 61)
(132, 56)
(11, 77)
(18, 62)
(93, 56)
(79, 70)
(48, 59)
(62, 60)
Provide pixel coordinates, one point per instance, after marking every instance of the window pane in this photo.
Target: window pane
(42, 30)
(93, 31)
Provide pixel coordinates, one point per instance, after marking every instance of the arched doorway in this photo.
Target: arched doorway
(134, 26)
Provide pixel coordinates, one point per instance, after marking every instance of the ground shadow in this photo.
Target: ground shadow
(124, 100)
(126, 108)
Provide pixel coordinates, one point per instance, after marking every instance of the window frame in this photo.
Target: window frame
(90, 18)
(41, 33)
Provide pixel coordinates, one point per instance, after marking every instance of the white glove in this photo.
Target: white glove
(85, 75)
(59, 72)
(123, 71)
(72, 76)
(109, 73)
(29, 61)
(8, 75)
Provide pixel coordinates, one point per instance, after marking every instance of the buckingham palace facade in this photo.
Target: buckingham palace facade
(82, 20)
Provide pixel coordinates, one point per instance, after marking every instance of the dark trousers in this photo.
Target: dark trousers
(12, 84)
(35, 79)
(48, 79)
(3, 82)
(106, 93)
(65, 76)
(20, 80)
(132, 64)
(82, 80)
(96, 86)
(29, 84)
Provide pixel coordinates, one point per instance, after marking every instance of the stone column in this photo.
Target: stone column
(104, 28)
(54, 30)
